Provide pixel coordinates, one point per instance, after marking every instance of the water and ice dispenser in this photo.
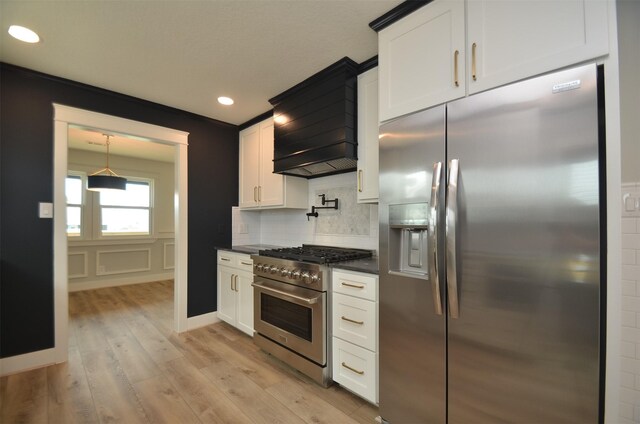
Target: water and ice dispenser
(409, 240)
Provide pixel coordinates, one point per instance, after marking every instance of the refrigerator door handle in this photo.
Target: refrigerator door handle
(433, 242)
(452, 211)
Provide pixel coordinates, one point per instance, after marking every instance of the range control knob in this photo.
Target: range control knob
(273, 269)
(315, 278)
(305, 277)
(259, 267)
(284, 272)
(295, 274)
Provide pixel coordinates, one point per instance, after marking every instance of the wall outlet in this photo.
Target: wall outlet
(631, 203)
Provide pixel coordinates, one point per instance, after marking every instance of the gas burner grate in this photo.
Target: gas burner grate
(316, 254)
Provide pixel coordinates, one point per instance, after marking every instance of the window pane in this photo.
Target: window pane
(136, 194)
(73, 189)
(73, 220)
(125, 221)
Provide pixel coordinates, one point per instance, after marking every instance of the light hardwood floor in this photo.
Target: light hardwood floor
(127, 366)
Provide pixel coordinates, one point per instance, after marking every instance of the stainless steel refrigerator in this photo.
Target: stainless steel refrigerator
(491, 257)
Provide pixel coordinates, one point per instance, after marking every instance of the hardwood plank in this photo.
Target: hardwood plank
(305, 405)
(162, 402)
(133, 359)
(70, 399)
(25, 397)
(205, 398)
(113, 395)
(197, 352)
(366, 414)
(248, 361)
(248, 396)
(153, 342)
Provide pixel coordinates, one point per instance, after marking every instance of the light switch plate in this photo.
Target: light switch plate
(45, 209)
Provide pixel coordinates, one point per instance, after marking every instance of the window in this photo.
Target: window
(73, 193)
(126, 212)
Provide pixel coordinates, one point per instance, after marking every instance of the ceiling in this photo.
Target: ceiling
(186, 53)
(95, 141)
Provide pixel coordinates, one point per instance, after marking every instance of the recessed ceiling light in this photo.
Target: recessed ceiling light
(23, 34)
(227, 101)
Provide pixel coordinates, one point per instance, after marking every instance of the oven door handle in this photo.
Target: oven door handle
(308, 301)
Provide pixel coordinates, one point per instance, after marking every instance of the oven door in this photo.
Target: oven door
(291, 316)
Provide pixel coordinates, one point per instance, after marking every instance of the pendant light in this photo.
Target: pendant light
(106, 179)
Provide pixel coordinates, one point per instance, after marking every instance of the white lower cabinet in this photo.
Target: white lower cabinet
(355, 332)
(235, 293)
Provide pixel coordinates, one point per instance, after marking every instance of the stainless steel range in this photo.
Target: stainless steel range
(291, 305)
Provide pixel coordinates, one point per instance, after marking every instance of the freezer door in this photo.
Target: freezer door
(412, 323)
(525, 346)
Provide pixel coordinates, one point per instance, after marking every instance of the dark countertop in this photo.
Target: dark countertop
(368, 265)
(249, 249)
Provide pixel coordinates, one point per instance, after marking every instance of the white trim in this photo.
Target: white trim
(164, 254)
(28, 361)
(64, 116)
(85, 272)
(202, 320)
(109, 242)
(125, 127)
(181, 240)
(116, 282)
(123, 271)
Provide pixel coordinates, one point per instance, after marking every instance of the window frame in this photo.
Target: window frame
(97, 211)
(84, 223)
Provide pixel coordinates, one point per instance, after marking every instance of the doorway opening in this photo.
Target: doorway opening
(68, 118)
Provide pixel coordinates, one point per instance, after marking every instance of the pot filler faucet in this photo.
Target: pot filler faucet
(314, 209)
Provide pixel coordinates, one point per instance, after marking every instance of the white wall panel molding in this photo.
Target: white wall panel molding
(202, 320)
(169, 253)
(115, 282)
(78, 267)
(122, 261)
(112, 242)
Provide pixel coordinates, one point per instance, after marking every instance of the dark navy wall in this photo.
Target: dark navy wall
(26, 174)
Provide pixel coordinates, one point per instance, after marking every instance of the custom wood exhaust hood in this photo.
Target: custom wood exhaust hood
(315, 123)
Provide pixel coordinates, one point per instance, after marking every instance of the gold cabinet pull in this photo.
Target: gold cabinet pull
(352, 320)
(473, 61)
(255, 195)
(225, 259)
(259, 193)
(357, 286)
(245, 263)
(352, 369)
(360, 180)
(455, 68)
(231, 282)
(235, 283)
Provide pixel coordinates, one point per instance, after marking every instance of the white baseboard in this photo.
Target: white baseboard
(114, 282)
(27, 361)
(202, 320)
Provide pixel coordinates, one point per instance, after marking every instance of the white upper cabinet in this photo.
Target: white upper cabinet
(514, 40)
(417, 59)
(430, 57)
(249, 166)
(259, 186)
(368, 136)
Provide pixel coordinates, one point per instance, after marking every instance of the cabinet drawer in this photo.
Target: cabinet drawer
(355, 369)
(244, 263)
(354, 320)
(235, 260)
(226, 258)
(356, 284)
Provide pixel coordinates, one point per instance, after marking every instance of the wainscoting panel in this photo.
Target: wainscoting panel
(78, 264)
(169, 255)
(109, 262)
